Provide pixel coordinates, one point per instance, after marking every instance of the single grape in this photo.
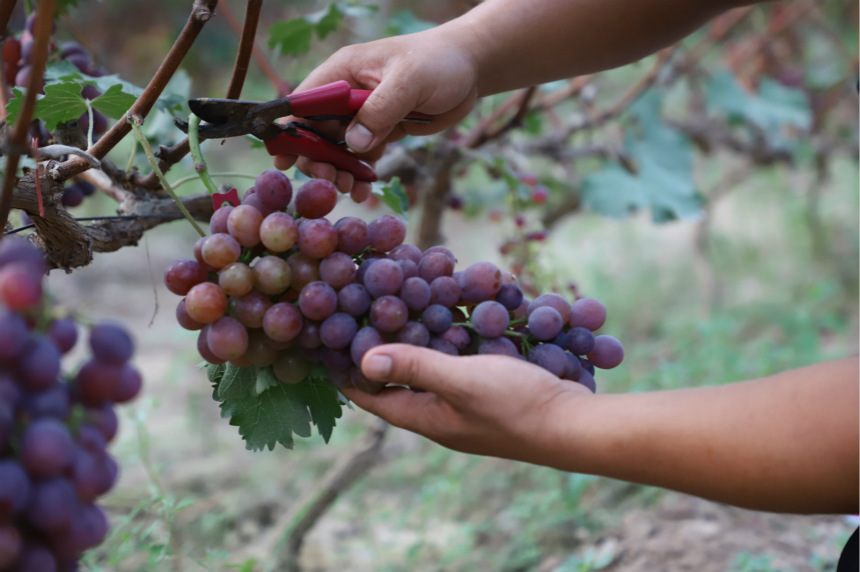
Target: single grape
(237, 279)
(251, 308)
(586, 365)
(561, 305)
(260, 351)
(607, 352)
(221, 249)
(38, 363)
(436, 318)
(580, 340)
(337, 331)
(445, 291)
(383, 278)
(227, 338)
(586, 378)
(361, 383)
(272, 275)
(510, 296)
(499, 346)
(129, 385)
(97, 381)
(273, 189)
(218, 220)
(490, 319)
(206, 302)
(282, 322)
(291, 367)
(14, 488)
(589, 313)
(386, 232)
(51, 402)
(243, 224)
(545, 323)
(46, 448)
(414, 333)
(13, 334)
(64, 333)
(304, 270)
(409, 268)
(388, 314)
(111, 343)
(338, 269)
(574, 368)
(279, 232)
(457, 335)
(20, 286)
(551, 358)
(203, 347)
(73, 196)
(352, 235)
(52, 504)
(317, 238)
(444, 346)
(35, 558)
(480, 281)
(354, 299)
(365, 339)
(435, 264)
(316, 198)
(17, 249)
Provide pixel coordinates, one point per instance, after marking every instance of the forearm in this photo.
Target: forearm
(517, 43)
(786, 443)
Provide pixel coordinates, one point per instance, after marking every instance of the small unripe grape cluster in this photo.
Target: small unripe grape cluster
(271, 288)
(54, 428)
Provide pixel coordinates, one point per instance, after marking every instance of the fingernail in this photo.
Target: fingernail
(377, 367)
(358, 138)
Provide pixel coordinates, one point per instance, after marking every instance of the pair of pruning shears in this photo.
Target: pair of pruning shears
(233, 117)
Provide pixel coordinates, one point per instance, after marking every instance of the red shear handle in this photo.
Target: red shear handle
(314, 147)
(337, 99)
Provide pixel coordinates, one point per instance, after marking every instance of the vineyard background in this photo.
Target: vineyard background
(763, 278)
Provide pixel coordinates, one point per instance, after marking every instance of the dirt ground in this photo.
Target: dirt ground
(678, 534)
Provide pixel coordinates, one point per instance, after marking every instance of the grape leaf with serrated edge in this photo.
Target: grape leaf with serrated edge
(394, 195)
(278, 410)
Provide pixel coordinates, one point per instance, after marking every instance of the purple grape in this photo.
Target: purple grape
(557, 301)
(354, 300)
(352, 235)
(97, 381)
(561, 340)
(104, 419)
(273, 189)
(607, 352)
(51, 402)
(383, 278)
(388, 314)
(574, 368)
(406, 252)
(480, 281)
(457, 335)
(17, 249)
(365, 339)
(282, 322)
(415, 293)
(551, 358)
(318, 300)
(386, 232)
(35, 558)
(414, 333)
(111, 343)
(227, 338)
(580, 340)
(437, 318)
(87, 476)
(14, 488)
(39, 363)
(586, 378)
(586, 365)
(361, 383)
(64, 333)
(316, 198)
(10, 393)
(490, 319)
(46, 448)
(510, 296)
(545, 323)
(52, 504)
(435, 264)
(129, 386)
(13, 333)
(409, 268)
(218, 220)
(499, 346)
(589, 313)
(317, 238)
(72, 196)
(337, 331)
(444, 346)
(445, 290)
(338, 269)
(10, 545)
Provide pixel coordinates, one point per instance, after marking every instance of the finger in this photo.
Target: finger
(414, 366)
(284, 162)
(316, 169)
(360, 191)
(399, 406)
(344, 181)
(385, 107)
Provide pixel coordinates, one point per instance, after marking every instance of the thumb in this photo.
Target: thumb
(384, 108)
(416, 367)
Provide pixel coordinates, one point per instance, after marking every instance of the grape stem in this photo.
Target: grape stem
(138, 133)
(233, 174)
(197, 154)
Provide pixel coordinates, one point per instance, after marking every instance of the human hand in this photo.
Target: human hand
(429, 72)
(482, 404)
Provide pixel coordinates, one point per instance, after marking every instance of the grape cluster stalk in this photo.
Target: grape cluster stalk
(278, 285)
(54, 426)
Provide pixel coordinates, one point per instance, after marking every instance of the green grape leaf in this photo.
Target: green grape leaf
(327, 20)
(664, 179)
(291, 37)
(61, 102)
(406, 22)
(63, 6)
(114, 102)
(268, 412)
(215, 373)
(774, 106)
(394, 195)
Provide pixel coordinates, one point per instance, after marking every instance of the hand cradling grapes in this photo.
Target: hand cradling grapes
(54, 428)
(272, 288)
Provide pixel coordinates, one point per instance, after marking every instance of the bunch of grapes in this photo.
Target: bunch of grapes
(54, 428)
(271, 288)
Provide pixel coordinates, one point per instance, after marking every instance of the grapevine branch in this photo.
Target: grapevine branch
(201, 12)
(18, 142)
(281, 87)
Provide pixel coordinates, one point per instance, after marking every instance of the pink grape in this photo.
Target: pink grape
(279, 232)
(243, 224)
(316, 198)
